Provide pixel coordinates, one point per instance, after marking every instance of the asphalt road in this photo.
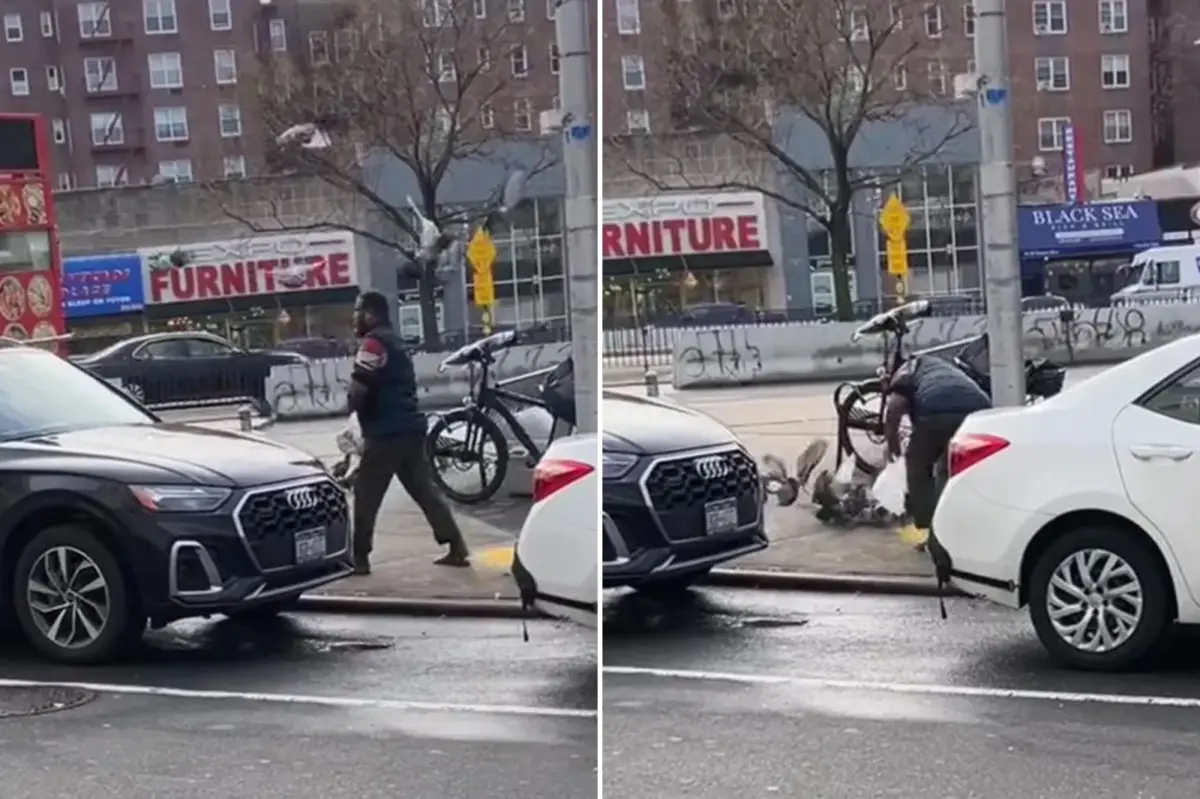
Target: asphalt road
(318, 707)
(733, 694)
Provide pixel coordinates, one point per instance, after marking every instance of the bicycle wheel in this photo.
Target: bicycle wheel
(461, 446)
(861, 429)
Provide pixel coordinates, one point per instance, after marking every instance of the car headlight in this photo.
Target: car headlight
(180, 499)
(618, 464)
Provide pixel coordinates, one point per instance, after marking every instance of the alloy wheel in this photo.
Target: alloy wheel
(1094, 600)
(68, 597)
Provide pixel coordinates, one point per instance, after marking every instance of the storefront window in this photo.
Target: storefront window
(664, 296)
(25, 251)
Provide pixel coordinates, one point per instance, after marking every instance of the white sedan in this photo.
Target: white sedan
(557, 556)
(1084, 507)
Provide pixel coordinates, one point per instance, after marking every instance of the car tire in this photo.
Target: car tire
(673, 586)
(110, 621)
(1149, 632)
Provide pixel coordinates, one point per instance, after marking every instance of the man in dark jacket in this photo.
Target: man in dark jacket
(383, 393)
(936, 396)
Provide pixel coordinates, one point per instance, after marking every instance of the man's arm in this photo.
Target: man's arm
(364, 379)
(897, 407)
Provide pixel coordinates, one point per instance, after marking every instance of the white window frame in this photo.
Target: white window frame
(46, 23)
(238, 164)
(229, 112)
(174, 119)
(66, 181)
(522, 114)
(219, 10)
(183, 176)
(232, 76)
(1052, 73)
(18, 81)
(516, 10)
(14, 28)
(479, 9)
(1117, 12)
(487, 116)
(900, 78)
(111, 128)
(109, 175)
(58, 131)
(105, 73)
(551, 9)
(1056, 126)
(318, 41)
(931, 18)
(1119, 171)
(632, 65)
(166, 16)
(1115, 69)
(53, 78)
(97, 22)
(637, 121)
(555, 60)
(518, 60)
(1119, 123)
(277, 34)
(171, 66)
(936, 78)
(968, 12)
(436, 13)
(1054, 13)
(629, 17)
(444, 69)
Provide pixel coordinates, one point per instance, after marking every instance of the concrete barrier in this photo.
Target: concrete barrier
(802, 352)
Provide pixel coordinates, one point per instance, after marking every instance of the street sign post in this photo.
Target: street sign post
(481, 254)
(895, 221)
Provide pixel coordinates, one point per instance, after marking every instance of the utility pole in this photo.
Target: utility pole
(578, 96)
(998, 205)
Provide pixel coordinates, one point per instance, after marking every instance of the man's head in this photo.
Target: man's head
(370, 311)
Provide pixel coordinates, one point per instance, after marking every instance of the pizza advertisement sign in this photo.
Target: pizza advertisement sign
(29, 306)
(23, 203)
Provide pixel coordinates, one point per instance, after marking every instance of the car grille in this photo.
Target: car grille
(270, 524)
(678, 493)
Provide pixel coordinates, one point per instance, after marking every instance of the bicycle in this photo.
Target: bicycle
(486, 403)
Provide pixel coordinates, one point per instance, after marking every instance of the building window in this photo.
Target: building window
(171, 124)
(633, 73)
(1114, 16)
(1118, 171)
(13, 30)
(66, 181)
(554, 59)
(637, 121)
(933, 21)
(166, 70)
(176, 171)
(1052, 74)
(937, 77)
(94, 21)
(487, 116)
(520, 61)
(160, 16)
(445, 69)
(900, 78)
(318, 47)
(479, 9)
(225, 66)
(58, 130)
(522, 115)
(629, 17)
(235, 166)
(109, 175)
(1114, 71)
(220, 15)
(53, 79)
(107, 128)
(100, 74)
(436, 13)
(46, 22)
(516, 10)
(230, 117)
(1050, 133)
(551, 9)
(1050, 18)
(277, 32)
(18, 79)
(969, 19)
(1118, 127)
(345, 44)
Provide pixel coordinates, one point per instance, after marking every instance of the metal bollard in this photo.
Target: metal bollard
(651, 383)
(245, 413)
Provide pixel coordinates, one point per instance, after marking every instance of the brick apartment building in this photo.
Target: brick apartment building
(145, 90)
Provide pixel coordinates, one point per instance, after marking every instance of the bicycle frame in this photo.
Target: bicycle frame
(490, 396)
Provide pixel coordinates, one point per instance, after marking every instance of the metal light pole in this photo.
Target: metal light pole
(574, 38)
(998, 198)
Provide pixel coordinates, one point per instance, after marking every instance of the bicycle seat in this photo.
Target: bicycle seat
(894, 320)
(478, 350)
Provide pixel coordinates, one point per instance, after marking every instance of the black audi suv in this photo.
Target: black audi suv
(681, 495)
(111, 519)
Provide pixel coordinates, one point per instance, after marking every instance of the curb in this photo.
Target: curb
(398, 606)
(884, 584)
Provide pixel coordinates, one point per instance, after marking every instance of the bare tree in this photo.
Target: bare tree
(408, 82)
(764, 76)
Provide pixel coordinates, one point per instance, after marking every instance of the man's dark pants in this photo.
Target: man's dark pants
(404, 458)
(928, 445)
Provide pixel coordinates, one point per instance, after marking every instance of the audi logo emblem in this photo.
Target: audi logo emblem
(712, 468)
(302, 499)
(1195, 214)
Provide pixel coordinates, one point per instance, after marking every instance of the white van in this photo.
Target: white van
(1163, 273)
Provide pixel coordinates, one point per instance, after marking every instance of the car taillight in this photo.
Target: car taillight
(968, 449)
(551, 476)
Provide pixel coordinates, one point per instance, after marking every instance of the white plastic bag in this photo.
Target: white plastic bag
(890, 488)
(349, 441)
(844, 476)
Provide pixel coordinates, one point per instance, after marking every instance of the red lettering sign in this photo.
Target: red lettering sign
(218, 281)
(681, 236)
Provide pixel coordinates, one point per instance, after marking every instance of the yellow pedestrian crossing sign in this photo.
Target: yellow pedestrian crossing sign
(481, 253)
(894, 218)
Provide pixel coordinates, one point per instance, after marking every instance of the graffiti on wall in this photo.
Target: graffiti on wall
(727, 353)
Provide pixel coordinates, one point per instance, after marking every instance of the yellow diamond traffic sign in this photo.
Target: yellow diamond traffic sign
(481, 252)
(894, 218)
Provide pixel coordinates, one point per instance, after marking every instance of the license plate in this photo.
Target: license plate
(720, 516)
(310, 546)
